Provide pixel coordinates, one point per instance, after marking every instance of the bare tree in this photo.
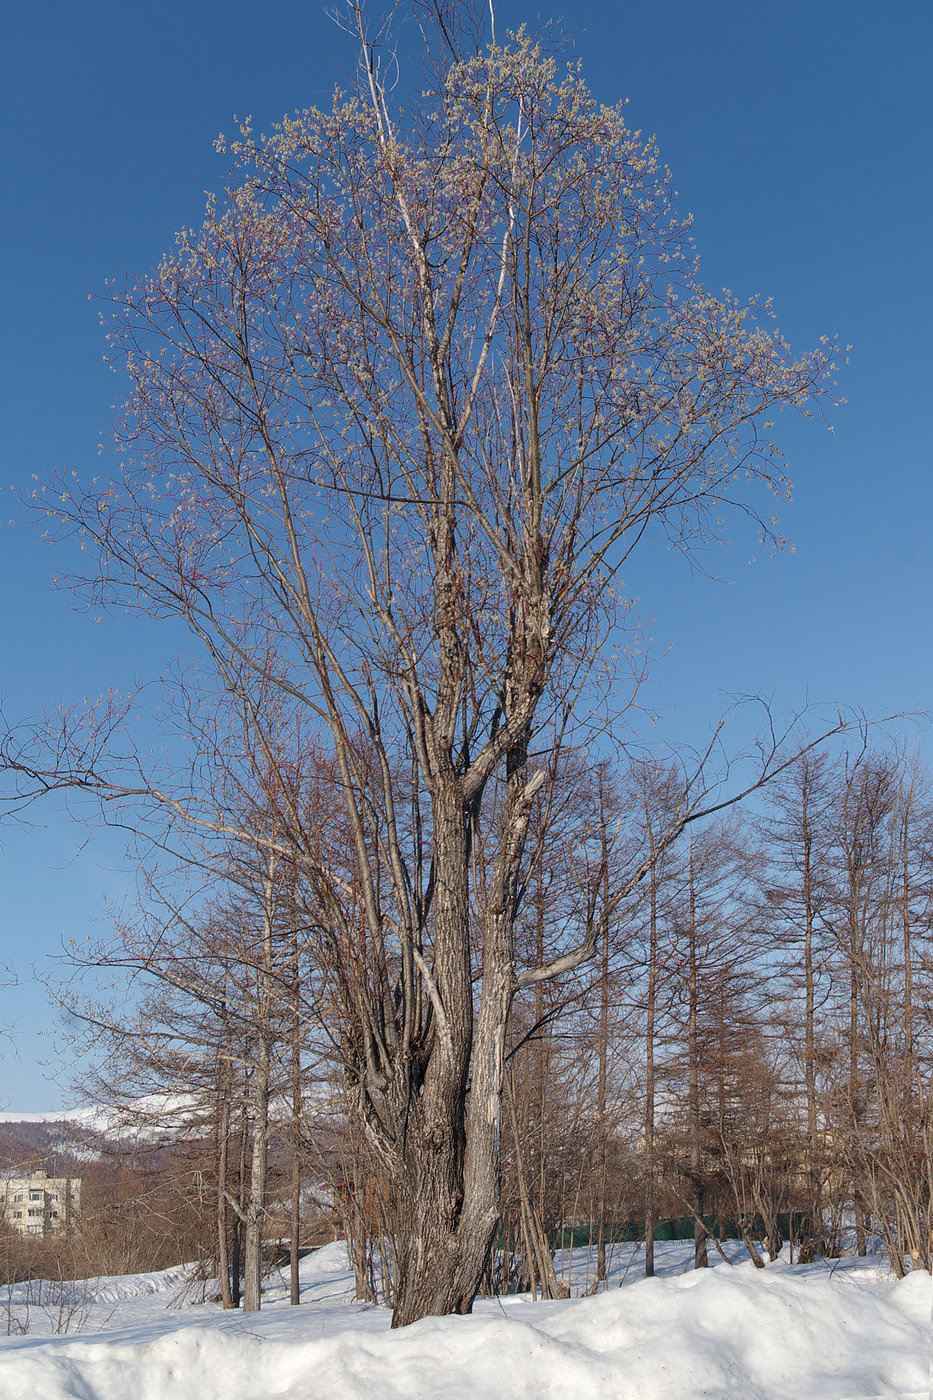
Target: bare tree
(798, 839)
(655, 795)
(880, 918)
(400, 410)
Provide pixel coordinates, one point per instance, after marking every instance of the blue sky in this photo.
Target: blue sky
(798, 135)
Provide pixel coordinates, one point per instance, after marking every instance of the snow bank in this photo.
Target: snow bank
(779, 1334)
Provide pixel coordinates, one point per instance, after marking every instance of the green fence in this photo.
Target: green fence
(679, 1228)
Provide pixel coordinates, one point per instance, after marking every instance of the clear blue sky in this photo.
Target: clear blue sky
(798, 134)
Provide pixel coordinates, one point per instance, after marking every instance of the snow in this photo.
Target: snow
(789, 1332)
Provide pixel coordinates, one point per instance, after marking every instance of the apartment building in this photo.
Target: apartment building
(39, 1204)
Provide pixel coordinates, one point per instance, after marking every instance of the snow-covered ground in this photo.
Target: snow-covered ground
(786, 1333)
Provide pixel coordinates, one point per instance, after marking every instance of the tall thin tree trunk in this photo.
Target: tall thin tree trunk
(294, 1289)
(701, 1255)
(542, 1045)
(814, 1243)
(236, 1260)
(256, 1200)
(651, 1014)
(537, 1250)
(603, 1071)
(236, 1268)
(861, 1233)
(223, 1208)
(908, 1001)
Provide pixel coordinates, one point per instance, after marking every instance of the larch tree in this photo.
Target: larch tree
(713, 945)
(796, 831)
(879, 917)
(654, 795)
(400, 411)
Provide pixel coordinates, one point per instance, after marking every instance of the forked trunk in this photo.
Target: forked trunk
(452, 1206)
(446, 1240)
(452, 1154)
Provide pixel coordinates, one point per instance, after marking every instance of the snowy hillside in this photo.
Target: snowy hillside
(159, 1115)
(158, 1112)
(788, 1333)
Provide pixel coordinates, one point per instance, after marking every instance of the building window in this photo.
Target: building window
(17, 1215)
(35, 1195)
(53, 1199)
(17, 1199)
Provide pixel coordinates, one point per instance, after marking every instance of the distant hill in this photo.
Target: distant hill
(61, 1140)
(92, 1128)
(57, 1142)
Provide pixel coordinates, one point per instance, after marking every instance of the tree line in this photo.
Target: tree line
(751, 1042)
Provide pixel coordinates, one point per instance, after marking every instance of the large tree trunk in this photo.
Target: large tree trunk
(453, 1210)
(452, 1159)
(431, 1252)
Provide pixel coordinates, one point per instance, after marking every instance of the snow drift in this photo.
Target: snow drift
(787, 1333)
